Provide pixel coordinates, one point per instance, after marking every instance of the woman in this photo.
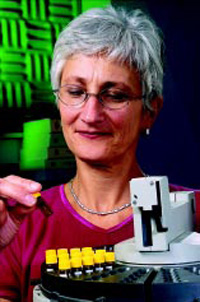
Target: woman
(112, 35)
(107, 78)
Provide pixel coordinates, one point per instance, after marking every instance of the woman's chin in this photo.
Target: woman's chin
(94, 158)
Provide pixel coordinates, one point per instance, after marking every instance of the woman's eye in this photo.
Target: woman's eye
(75, 92)
(116, 96)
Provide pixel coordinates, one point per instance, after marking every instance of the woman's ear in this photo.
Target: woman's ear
(156, 105)
(149, 116)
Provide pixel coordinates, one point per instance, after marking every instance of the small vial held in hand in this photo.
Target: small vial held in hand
(42, 205)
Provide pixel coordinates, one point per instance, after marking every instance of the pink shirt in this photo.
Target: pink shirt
(20, 262)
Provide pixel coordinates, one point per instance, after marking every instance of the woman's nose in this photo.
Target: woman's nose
(92, 110)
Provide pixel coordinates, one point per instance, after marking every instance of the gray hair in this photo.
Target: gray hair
(127, 37)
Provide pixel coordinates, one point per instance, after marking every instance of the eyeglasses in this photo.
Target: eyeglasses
(111, 98)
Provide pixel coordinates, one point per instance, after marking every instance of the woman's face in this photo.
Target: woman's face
(94, 133)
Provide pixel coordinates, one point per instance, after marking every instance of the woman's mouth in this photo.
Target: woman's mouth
(93, 134)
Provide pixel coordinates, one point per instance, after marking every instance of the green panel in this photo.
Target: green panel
(25, 10)
(5, 32)
(94, 3)
(42, 10)
(9, 151)
(13, 29)
(10, 9)
(13, 135)
(16, 68)
(43, 94)
(23, 34)
(46, 67)
(27, 93)
(9, 5)
(39, 36)
(33, 9)
(65, 11)
(9, 94)
(11, 56)
(15, 94)
(12, 65)
(38, 138)
(18, 95)
(57, 29)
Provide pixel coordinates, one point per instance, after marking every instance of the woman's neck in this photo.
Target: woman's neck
(104, 188)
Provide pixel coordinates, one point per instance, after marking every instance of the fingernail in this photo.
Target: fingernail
(34, 185)
(30, 200)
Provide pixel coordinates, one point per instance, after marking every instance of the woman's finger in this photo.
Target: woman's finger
(19, 189)
(29, 185)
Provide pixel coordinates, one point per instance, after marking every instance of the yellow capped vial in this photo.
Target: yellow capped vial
(50, 256)
(64, 264)
(75, 252)
(110, 257)
(87, 260)
(76, 262)
(110, 260)
(76, 255)
(99, 261)
(61, 252)
(88, 253)
(99, 258)
(88, 265)
(87, 248)
(51, 261)
(38, 194)
(100, 251)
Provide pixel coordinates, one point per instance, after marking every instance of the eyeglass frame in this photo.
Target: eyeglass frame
(97, 95)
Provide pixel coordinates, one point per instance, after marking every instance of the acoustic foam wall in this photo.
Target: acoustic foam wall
(28, 30)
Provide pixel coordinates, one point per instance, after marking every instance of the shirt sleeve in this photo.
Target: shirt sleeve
(10, 271)
(7, 232)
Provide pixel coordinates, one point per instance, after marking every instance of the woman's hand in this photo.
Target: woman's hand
(16, 201)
